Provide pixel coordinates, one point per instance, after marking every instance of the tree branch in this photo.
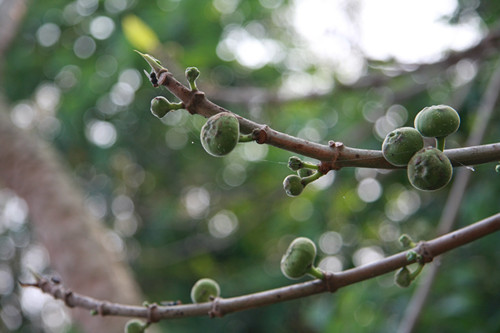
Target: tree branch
(337, 155)
(221, 306)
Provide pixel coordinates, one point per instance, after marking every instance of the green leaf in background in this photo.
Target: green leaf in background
(139, 34)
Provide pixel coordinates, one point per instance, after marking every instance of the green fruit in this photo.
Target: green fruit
(403, 277)
(406, 241)
(220, 134)
(401, 144)
(437, 121)
(135, 326)
(429, 169)
(295, 163)
(192, 74)
(205, 290)
(304, 172)
(160, 106)
(299, 258)
(293, 185)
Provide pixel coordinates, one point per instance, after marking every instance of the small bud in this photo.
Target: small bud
(406, 241)
(135, 326)
(403, 278)
(192, 74)
(299, 258)
(205, 290)
(413, 256)
(293, 185)
(220, 134)
(295, 163)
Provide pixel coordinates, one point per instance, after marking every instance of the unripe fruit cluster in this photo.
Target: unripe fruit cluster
(428, 169)
(306, 173)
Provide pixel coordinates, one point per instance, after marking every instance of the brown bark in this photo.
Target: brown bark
(72, 236)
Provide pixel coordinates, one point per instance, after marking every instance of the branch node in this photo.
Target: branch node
(102, 308)
(215, 311)
(161, 78)
(153, 315)
(196, 98)
(324, 167)
(337, 146)
(329, 279)
(425, 252)
(260, 134)
(68, 299)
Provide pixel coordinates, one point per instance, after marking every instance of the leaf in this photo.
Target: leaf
(139, 34)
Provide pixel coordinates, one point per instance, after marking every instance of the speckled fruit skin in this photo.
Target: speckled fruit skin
(293, 185)
(401, 144)
(220, 134)
(204, 290)
(437, 121)
(298, 258)
(429, 169)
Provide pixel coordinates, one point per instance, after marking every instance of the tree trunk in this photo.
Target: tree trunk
(72, 236)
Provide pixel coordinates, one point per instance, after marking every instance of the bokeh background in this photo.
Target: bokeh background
(348, 71)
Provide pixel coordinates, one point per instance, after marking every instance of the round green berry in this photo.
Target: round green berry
(429, 169)
(305, 172)
(403, 278)
(135, 326)
(293, 185)
(205, 290)
(401, 144)
(299, 258)
(295, 163)
(160, 106)
(437, 121)
(220, 134)
(192, 73)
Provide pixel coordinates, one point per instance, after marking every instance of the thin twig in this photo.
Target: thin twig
(221, 306)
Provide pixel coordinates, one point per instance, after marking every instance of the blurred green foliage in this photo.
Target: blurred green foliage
(181, 214)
